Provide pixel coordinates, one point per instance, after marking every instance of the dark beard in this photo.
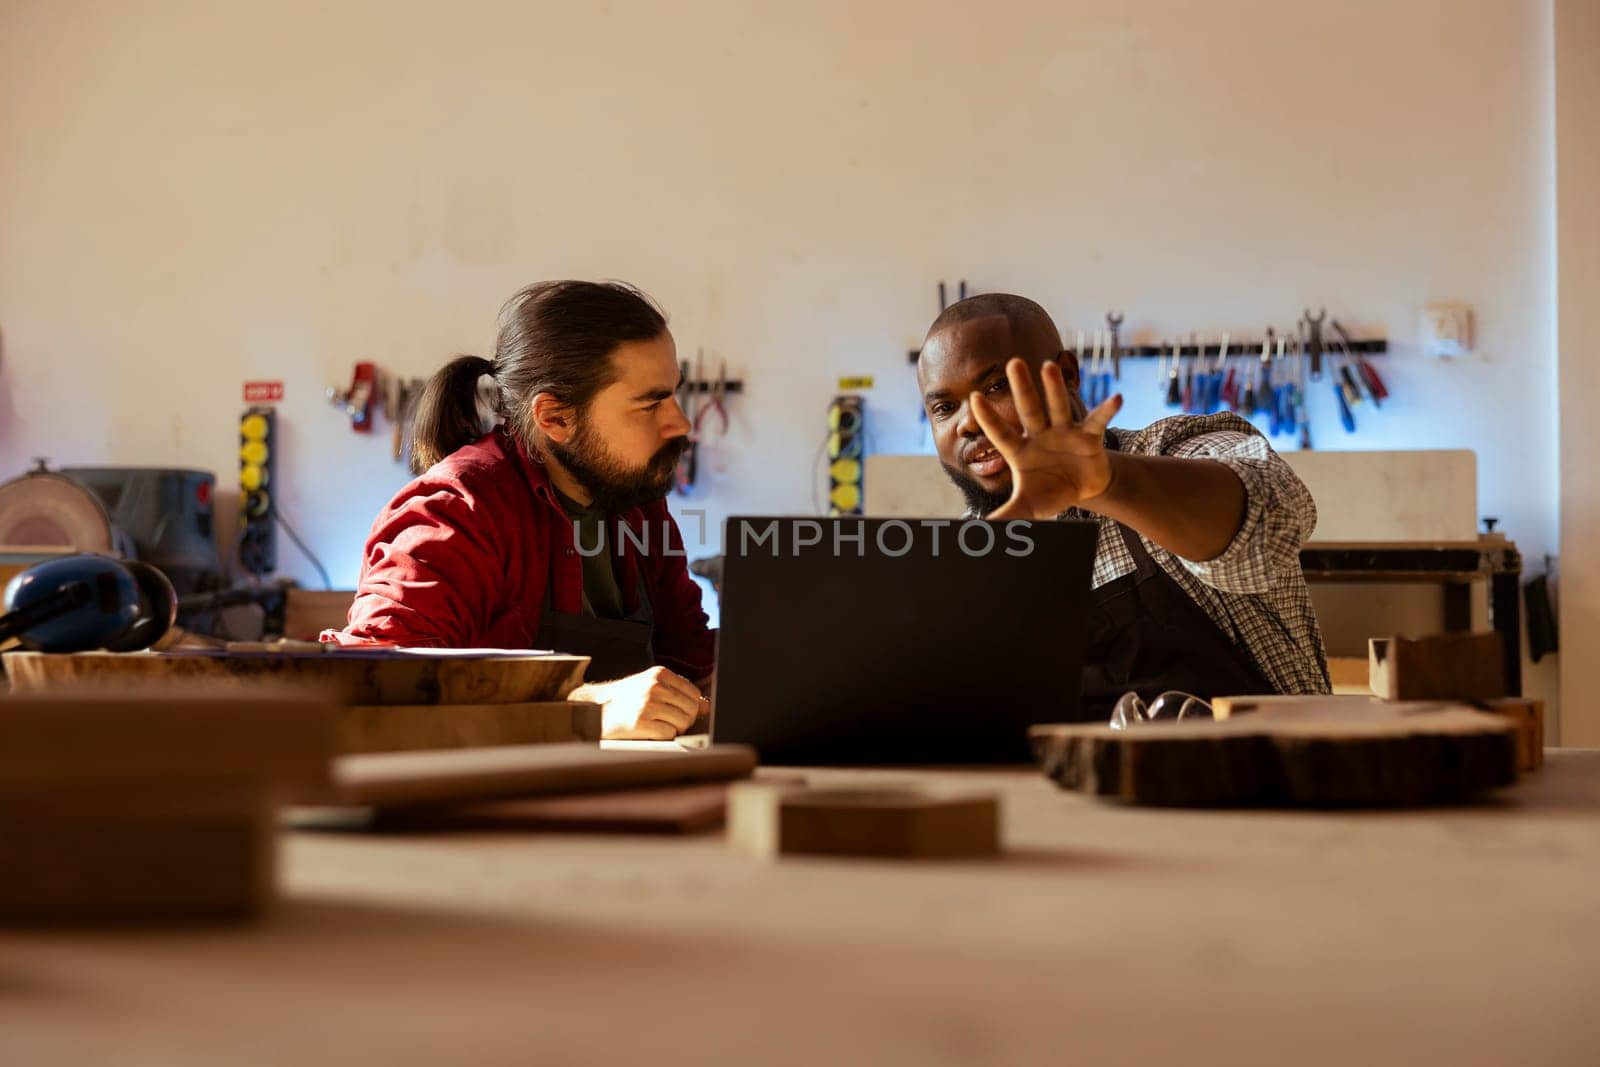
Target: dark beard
(614, 488)
(980, 501)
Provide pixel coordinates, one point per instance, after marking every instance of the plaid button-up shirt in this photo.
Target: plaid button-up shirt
(1254, 591)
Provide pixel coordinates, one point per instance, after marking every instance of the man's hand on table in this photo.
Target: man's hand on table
(653, 705)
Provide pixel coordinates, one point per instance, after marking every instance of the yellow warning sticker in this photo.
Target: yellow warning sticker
(862, 381)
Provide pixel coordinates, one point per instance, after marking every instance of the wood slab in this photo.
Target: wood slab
(673, 809)
(347, 676)
(409, 779)
(1368, 755)
(768, 821)
(418, 727)
(1437, 667)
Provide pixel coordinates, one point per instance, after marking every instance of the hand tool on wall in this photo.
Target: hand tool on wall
(1084, 369)
(714, 407)
(1346, 416)
(1352, 391)
(1188, 379)
(1368, 373)
(1228, 397)
(1214, 381)
(358, 400)
(1087, 372)
(1314, 344)
(1303, 409)
(1276, 399)
(686, 462)
(1264, 377)
(1107, 360)
(1174, 388)
(1114, 322)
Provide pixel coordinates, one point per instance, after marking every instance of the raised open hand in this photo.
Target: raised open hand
(1056, 462)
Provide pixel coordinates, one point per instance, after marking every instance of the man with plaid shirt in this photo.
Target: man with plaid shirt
(1197, 580)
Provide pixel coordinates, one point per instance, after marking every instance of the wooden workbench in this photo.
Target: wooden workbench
(1106, 934)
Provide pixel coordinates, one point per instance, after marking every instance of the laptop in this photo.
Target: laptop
(856, 640)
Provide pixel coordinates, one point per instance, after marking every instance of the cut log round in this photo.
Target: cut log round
(1374, 755)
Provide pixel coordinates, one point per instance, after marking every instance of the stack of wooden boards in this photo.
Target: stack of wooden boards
(150, 784)
(1446, 733)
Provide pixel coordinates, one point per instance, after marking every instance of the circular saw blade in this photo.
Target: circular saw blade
(50, 511)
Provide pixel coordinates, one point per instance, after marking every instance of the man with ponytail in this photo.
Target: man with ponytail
(538, 518)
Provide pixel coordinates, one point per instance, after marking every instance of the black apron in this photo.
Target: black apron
(1147, 635)
(616, 647)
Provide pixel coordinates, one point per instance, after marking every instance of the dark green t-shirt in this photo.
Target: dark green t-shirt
(602, 596)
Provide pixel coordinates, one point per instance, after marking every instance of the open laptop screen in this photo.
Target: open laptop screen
(851, 640)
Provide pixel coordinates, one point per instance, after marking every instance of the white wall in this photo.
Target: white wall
(192, 194)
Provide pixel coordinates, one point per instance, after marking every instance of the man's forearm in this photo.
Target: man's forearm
(1191, 507)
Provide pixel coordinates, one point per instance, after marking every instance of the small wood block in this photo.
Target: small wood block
(1367, 754)
(413, 727)
(1439, 667)
(1350, 674)
(346, 676)
(1529, 717)
(307, 612)
(411, 779)
(768, 820)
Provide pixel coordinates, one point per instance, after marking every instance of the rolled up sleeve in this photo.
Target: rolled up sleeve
(1279, 513)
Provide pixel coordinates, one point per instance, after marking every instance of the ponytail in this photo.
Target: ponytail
(447, 412)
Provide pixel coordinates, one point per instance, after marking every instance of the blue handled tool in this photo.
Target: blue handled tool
(1108, 361)
(1346, 416)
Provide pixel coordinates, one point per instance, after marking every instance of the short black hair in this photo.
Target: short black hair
(1020, 312)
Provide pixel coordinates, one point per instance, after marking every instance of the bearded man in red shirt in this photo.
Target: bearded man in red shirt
(550, 529)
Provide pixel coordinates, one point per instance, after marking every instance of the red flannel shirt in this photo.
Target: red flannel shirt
(463, 556)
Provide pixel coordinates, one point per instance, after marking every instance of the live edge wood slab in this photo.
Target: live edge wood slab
(357, 676)
(1328, 752)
